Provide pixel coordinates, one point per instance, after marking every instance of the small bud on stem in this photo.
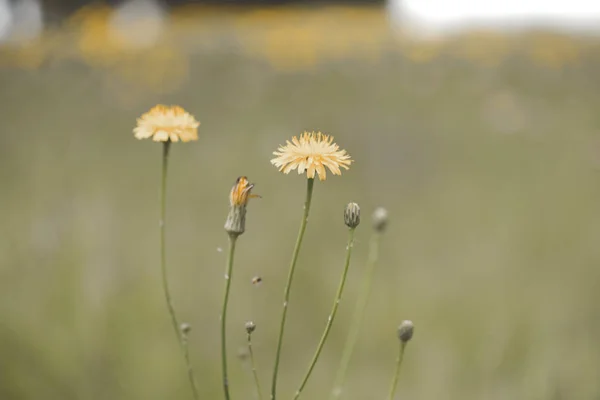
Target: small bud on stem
(405, 331)
(352, 215)
(380, 219)
(250, 327)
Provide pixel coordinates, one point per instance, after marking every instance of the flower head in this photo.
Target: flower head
(240, 192)
(238, 199)
(380, 219)
(311, 153)
(406, 331)
(185, 328)
(167, 123)
(352, 215)
(250, 327)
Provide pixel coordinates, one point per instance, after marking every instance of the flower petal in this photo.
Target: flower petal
(312, 153)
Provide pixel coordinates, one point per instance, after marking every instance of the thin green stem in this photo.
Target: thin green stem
(359, 312)
(228, 277)
(288, 285)
(163, 247)
(397, 371)
(336, 303)
(163, 267)
(190, 370)
(253, 364)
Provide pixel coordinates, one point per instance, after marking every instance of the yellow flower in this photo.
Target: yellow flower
(240, 192)
(311, 153)
(167, 123)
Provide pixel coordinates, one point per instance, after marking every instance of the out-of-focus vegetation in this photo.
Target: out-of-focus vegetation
(484, 148)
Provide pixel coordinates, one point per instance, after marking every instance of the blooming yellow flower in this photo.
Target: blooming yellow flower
(311, 153)
(167, 123)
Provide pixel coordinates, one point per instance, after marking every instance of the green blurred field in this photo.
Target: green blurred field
(490, 172)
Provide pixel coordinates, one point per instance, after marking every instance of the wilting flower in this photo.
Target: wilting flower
(311, 153)
(240, 192)
(167, 123)
(238, 199)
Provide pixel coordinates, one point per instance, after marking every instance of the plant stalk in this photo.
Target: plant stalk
(336, 303)
(163, 268)
(228, 277)
(254, 371)
(296, 252)
(397, 371)
(359, 312)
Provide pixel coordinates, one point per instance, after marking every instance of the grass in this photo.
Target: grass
(490, 175)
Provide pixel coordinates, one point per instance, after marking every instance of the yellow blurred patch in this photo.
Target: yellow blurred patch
(287, 38)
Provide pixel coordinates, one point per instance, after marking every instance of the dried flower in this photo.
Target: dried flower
(405, 331)
(238, 199)
(380, 219)
(240, 192)
(311, 153)
(352, 215)
(167, 123)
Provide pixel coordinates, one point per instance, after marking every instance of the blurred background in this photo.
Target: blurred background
(476, 126)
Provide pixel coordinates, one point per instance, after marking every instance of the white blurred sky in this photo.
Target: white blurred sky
(21, 20)
(462, 14)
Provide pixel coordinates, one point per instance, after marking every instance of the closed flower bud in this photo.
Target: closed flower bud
(352, 215)
(405, 331)
(250, 327)
(380, 219)
(238, 199)
(185, 328)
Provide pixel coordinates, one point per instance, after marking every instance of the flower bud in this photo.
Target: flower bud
(250, 327)
(380, 219)
(352, 215)
(238, 199)
(405, 331)
(185, 328)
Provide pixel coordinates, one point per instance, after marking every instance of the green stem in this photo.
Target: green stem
(336, 304)
(190, 370)
(228, 277)
(359, 312)
(397, 371)
(163, 267)
(307, 201)
(254, 372)
(163, 250)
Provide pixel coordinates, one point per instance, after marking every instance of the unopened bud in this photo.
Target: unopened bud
(352, 215)
(185, 328)
(380, 219)
(405, 331)
(250, 327)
